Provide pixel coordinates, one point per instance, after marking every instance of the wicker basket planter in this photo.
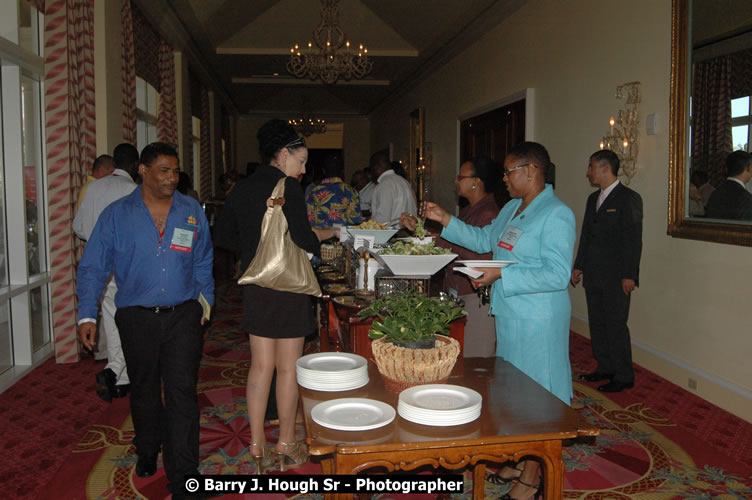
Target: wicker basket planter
(402, 367)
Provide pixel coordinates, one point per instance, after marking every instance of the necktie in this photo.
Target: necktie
(601, 197)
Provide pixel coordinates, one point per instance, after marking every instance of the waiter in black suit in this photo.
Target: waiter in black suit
(608, 261)
(731, 200)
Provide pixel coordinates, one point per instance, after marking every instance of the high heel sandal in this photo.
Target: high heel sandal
(497, 478)
(295, 455)
(263, 461)
(538, 493)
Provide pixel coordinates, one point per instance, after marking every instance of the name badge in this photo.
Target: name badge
(182, 240)
(510, 237)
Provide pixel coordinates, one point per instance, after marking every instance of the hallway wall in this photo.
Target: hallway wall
(690, 316)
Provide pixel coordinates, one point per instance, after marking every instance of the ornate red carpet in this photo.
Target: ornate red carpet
(657, 441)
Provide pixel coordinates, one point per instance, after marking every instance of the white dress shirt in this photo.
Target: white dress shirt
(392, 196)
(99, 194)
(604, 194)
(366, 195)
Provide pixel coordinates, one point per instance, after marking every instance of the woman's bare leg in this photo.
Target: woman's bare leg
(287, 353)
(257, 387)
(528, 482)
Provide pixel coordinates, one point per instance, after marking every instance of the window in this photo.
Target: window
(147, 104)
(741, 119)
(25, 327)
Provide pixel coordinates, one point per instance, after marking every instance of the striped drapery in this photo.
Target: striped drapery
(205, 166)
(71, 148)
(711, 118)
(128, 68)
(219, 160)
(227, 136)
(167, 125)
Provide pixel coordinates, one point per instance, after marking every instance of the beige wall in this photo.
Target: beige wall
(356, 142)
(690, 317)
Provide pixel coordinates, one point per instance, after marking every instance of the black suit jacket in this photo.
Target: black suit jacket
(611, 239)
(730, 201)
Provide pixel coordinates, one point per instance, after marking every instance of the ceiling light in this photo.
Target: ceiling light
(331, 58)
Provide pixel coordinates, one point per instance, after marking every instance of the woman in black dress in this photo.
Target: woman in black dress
(276, 321)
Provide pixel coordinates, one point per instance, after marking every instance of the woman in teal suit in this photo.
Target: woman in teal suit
(529, 299)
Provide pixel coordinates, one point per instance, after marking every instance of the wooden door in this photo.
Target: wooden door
(493, 134)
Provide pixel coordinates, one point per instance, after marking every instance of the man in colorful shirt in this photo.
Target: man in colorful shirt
(333, 201)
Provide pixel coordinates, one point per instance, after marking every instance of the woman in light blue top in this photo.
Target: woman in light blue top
(529, 298)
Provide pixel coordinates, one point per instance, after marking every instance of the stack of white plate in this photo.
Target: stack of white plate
(439, 404)
(332, 371)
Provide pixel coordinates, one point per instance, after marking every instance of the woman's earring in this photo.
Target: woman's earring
(473, 187)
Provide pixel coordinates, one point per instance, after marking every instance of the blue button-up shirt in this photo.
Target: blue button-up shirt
(150, 270)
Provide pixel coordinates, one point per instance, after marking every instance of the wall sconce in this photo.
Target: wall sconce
(623, 138)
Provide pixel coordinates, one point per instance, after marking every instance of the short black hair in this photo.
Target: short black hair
(608, 156)
(154, 150)
(275, 135)
(125, 156)
(101, 161)
(736, 162)
(332, 166)
(379, 163)
(487, 170)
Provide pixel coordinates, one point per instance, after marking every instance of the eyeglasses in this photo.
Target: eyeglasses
(460, 177)
(510, 170)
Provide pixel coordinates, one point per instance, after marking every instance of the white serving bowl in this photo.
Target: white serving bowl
(380, 236)
(416, 265)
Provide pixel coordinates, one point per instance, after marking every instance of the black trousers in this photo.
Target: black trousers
(164, 348)
(608, 310)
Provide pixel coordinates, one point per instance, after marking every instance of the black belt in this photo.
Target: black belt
(159, 309)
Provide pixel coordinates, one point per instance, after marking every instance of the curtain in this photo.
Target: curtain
(205, 166)
(128, 68)
(227, 136)
(167, 125)
(146, 45)
(711, 117)
(71, 147)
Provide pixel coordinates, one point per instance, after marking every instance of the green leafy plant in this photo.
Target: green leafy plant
(409, 317)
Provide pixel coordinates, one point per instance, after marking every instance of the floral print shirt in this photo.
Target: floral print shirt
(333, 202)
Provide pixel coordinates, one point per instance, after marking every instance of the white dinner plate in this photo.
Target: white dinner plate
(353, 414)
(440, 397)
(333, 388)
(331, 362)
(486, 263)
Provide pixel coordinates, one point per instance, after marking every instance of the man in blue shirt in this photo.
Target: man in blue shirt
(156, 242)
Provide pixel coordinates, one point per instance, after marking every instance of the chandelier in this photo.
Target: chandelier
(332, 58)
(307, 125)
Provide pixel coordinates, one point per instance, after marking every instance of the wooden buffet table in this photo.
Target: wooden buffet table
(518, 418)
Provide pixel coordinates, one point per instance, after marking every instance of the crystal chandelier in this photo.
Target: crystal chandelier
(332, 57)
(307, 125)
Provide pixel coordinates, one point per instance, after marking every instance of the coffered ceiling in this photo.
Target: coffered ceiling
(245, 46)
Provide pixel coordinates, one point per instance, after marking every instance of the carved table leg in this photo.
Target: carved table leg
(479, 481)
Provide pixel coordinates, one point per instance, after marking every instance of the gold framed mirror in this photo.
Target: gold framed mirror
(680, 223)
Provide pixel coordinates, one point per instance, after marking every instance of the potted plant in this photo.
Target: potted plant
(410, 319)
(410, 344)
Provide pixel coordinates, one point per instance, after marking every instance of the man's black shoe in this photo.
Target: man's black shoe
(596, 376)
(146, 465)
(105, 384)
(615, 386)
(120, 391)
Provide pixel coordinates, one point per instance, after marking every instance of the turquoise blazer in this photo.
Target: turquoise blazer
(531, 300)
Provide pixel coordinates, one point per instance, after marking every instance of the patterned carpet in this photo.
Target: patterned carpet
(657, 440)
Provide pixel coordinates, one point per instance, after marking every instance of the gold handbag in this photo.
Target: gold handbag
(279, 263)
